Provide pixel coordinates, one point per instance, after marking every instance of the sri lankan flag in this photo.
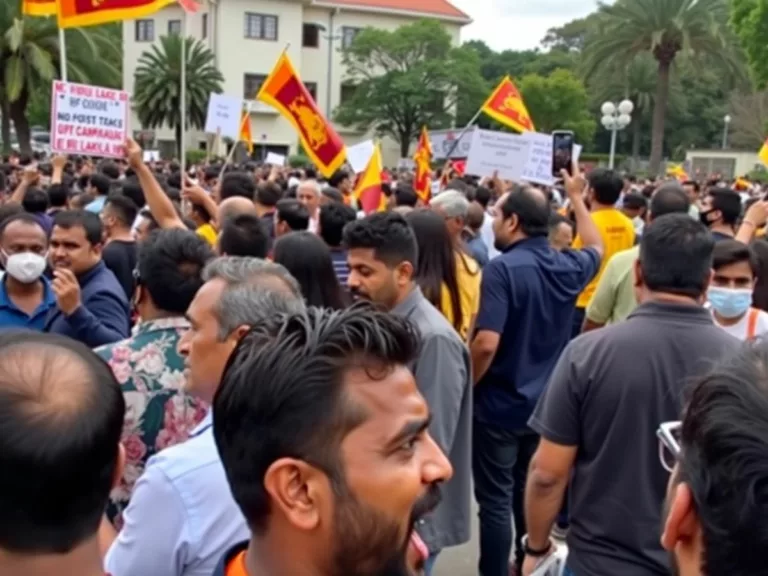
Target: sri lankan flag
(368, 192)
(245, 132)
(38, 7)
(763, 154)
(422, 182)
(284, 90)
(77, 13)
(505, 105)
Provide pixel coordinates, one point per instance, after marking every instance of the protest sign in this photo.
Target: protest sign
(275, 159)
(88, 120)
(359, 155)
(151, 155)
(497, 152)
(224, 116)
(538, 166)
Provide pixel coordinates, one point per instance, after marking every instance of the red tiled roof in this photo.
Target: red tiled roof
(436, 7)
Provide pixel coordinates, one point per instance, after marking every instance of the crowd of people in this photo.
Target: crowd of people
(234, 372)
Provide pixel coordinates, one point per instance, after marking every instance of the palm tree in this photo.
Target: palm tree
(157, 86)
(663, 28)
(30, 59)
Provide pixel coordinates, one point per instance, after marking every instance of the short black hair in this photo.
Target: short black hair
(483, 196)
(532, 209)
(293, 213)
(269, 194)
(238, 184)
(387, 234)
(58, 194)
(35, 201)
(132, 189)
(101, 183)
(676, 255)
(635, 201)
(556, 219)
(58, 450)
(109, 169)
(244, 235)
(147, 215)
(727, 202)
(124, 208)
(670, 198)
(405, 195)
(9, 210)
(283, 394)
(729, 252)
(169, 266)
(607, 186)
(722, 460)
(333, 194)
(337, 178)
(695, 185)
(333, 217)
(88, 221)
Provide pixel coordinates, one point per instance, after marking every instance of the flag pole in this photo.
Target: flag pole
(183, 94)
(63, 54)
(461, 134)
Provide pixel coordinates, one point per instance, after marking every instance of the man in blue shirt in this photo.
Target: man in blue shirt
(527, 303)
(25, 295)
(91, 306)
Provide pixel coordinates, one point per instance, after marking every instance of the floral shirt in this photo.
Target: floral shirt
(157, 412)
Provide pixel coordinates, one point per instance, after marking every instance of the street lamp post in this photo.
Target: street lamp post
(726, 124)
(616, 118)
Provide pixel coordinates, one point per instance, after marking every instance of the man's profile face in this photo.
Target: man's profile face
(371, 279)
(392, 468)
(561, 237)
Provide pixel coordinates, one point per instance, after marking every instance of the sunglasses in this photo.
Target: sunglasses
(669, 444)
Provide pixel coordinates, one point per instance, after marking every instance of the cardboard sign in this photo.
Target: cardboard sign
(275, 159)
(500, 152)
(224, 116)
(88, 120)
(538, 167)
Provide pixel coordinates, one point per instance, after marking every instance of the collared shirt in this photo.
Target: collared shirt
(158, 413)
(340, 266)
(614, 298)
(103, 315)
(443, 376)
(609, 393)
(13, 317)
(182, 517)
(488, 236)
(527, 296)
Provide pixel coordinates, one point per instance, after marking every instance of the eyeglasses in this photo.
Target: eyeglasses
(669, 444)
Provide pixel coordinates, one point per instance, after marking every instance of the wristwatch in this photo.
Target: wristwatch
(532, 552)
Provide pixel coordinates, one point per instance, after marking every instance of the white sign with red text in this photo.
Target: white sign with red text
(88, 120)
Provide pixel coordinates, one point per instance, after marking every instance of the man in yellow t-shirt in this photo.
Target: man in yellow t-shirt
(616, 230)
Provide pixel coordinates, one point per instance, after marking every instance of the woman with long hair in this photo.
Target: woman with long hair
(308, 259)
(436, 269)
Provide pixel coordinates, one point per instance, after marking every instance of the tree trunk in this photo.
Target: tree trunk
(635, 143)
(659, 116)
(18, 113)
(405, 143)
(5, 124)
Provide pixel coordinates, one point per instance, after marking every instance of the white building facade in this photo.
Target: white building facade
(248, 36)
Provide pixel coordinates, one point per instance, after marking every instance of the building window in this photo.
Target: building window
(260, 26)
(205, 25)
(174, 27)
(252, 84)
(145, 30)
(347, 93)
(312, 89)
(310, 36)
(348, 34)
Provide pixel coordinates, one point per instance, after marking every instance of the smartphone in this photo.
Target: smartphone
(562, 151)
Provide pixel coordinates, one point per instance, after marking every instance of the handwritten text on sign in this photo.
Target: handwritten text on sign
(88, 120)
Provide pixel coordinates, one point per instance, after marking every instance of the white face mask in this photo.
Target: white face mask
(26, 267)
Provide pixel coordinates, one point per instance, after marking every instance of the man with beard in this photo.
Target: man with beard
(382, 256)
(714, 519)
(323, 436)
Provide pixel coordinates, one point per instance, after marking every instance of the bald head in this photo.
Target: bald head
(235, 206)
(61, 417)
(532, 208)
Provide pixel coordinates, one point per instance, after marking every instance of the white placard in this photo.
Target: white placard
(224, 115)
(499, 152)
(359, 155)
(151, 155)
(88, 120)
(275, 159)
(538, 168)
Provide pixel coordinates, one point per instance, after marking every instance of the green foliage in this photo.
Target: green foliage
(157, 87)
(408, 78)
(558, 102)
(298, 161)
(195, 156)
(749, 20)
(758, 175)
(587, 158)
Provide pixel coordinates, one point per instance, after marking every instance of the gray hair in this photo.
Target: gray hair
(313, 184)
(253, 291)
(452, 202)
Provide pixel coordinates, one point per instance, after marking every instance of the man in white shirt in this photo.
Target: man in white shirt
(308, 193)
(730, 293)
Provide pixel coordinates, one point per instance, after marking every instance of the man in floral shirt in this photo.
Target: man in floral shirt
(147, 365)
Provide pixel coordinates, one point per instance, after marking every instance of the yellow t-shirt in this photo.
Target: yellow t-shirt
(618, 234)
(208, 232)
(468, 279)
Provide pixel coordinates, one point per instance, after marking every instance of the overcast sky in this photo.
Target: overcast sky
(518, 24)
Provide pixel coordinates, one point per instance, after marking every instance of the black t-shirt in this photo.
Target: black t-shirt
(120, 257)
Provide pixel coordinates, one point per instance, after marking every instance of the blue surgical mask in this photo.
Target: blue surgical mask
(729, 302)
